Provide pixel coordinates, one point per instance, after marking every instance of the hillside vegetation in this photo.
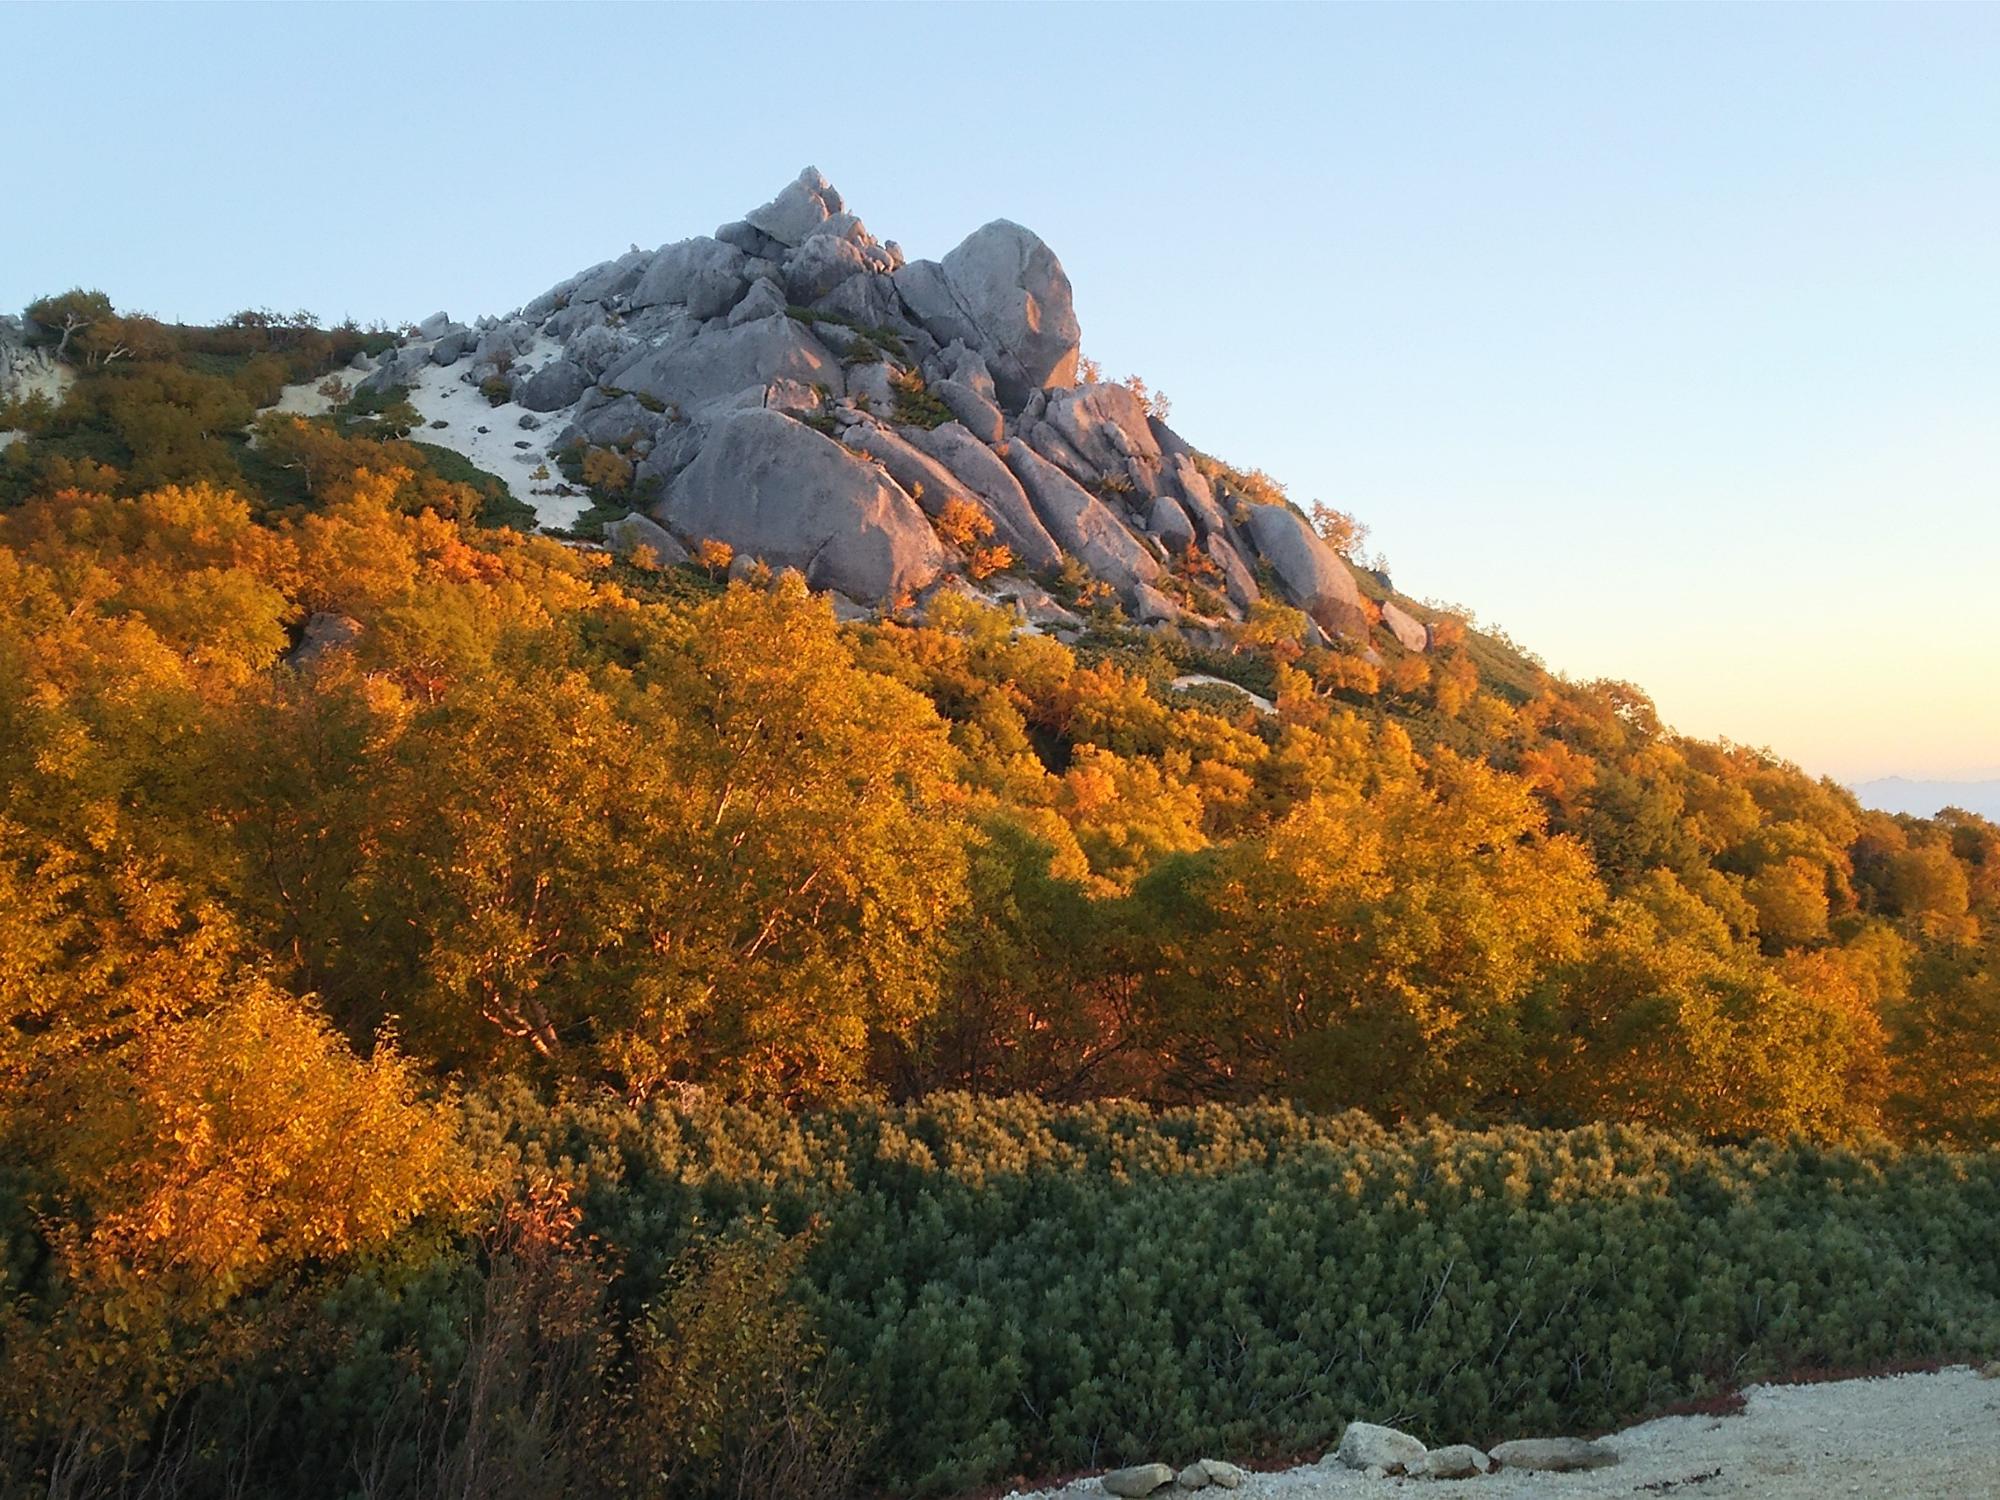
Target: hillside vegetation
(324, 806)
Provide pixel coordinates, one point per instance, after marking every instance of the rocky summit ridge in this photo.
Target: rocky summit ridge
(798, 389)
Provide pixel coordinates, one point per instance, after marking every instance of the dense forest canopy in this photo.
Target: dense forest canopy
(326, 800)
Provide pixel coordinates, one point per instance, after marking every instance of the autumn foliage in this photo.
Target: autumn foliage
(288, 905)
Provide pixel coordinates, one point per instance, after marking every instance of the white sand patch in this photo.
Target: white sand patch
(307, 399)
(493, 437)
(1907, 1437)
(490, 436)
(1202, 679)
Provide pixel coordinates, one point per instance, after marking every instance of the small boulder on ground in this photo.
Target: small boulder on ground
(1410, 632)
(1365, 1445)
(1224, 1476)
(1456, 1461)
(635, 536)
(324, 631)
(555, 385)
(1561, 1455)
(1138, 1481)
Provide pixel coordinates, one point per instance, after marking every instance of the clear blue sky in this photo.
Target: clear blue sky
(1667, 338)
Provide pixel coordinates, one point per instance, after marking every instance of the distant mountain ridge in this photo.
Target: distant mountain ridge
(1924, 799)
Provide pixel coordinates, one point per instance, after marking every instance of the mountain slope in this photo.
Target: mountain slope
(794, 388)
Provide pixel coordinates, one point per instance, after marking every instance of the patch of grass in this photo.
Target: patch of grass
(878, 339)
(497, 505)
(915, 405)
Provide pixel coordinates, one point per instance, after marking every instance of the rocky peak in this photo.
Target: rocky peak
(798, 389)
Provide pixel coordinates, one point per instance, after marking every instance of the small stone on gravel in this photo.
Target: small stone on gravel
(1458, 1461)
(1561, 1455)
(1138, 1481)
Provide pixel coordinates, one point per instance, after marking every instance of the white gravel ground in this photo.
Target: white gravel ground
(440, 394)
(1904, 1437)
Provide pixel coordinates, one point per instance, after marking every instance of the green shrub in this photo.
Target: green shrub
(1028, 1288)
(915, 405)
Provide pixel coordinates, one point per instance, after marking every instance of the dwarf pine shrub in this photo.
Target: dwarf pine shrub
(1022, 1287)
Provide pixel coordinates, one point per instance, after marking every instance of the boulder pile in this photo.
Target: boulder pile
(1379, 1453)
(800, 390)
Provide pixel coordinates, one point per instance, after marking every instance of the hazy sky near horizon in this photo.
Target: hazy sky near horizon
(1667, 338)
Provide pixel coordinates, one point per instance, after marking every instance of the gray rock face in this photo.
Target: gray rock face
(822, 263)
(453, 346)
(751, 240)
(928, 294)
(1014, 292)
(663, 353)
(1003, 294)
(614, 278)
(1458, 1461)
(434, 326)
(1408, 630)
(765, 299)
(1197, 494)
(798, 210)
(721, 361)
(615, 423)
(1106, 425)
(704, 275)
(627, 535)
(1554, 1455)
(1167, 521)
(870, 383)
(1315, 578)
(1053, 446)
(1151, 607)
(558, 383)
(1367, 1446)
(869, 300)
(1138, 1481)
(1006, 503)
(398, 367)
(916, 473)
(1080, 522)
(507, 339)
(980, 416)
(775, 489)
(1237, 579)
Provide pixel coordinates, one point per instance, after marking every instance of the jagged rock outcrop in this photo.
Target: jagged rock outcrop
(776, 490)
(783, 385)
(1006, 503)
(1312, 572)
(1081, 523)
(27, 371)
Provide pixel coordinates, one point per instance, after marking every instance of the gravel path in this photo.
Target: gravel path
(1903, 1437)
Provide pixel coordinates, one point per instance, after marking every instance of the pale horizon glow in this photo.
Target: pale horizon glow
(1667, 338)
